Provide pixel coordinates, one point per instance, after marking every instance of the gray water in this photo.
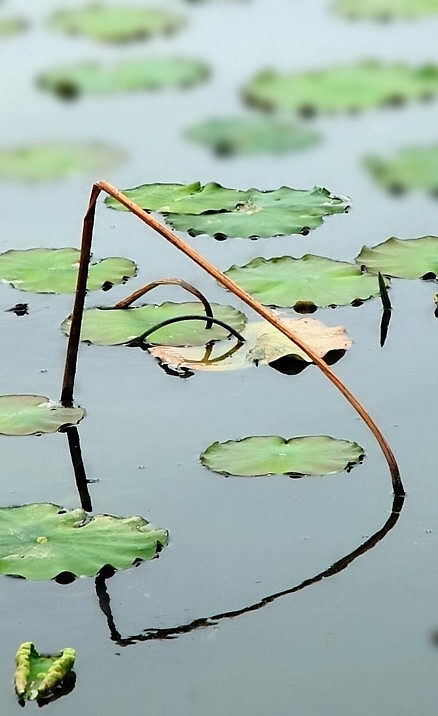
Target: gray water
(356, 642)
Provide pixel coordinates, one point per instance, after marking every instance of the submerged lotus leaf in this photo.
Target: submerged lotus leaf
(109, 327)
(116, 24)
(274, 455)
(350, 88)
(402, 258)
(30, 414)
(55, 270)
(385, 9)
(133, 74)
(12, 26)
(248, 135)
(41, 540)
(37, 675)
(53, 161)
(311, 280)
(410, 168)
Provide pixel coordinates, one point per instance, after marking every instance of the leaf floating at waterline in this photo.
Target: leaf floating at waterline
(42, 540)
(273, 455)
(12, 26)
(146, 73)
(385, 9)
(116, 24)
(31, 414)
(311, 281)
(402, 258)
(40, 162)
(39, 676)
(410, 168)
(350, 88)
(109, 327)
(55, 270)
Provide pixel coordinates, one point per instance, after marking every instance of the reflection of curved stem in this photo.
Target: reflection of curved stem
(78, 467)
(166, 282)
(202, 622)
(141, 339)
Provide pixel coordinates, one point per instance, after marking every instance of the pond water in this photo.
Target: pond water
(358, 640)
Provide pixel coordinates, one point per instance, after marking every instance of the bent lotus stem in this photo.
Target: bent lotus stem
(177, 319)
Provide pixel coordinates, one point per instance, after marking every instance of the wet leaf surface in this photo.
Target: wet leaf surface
(30, 414)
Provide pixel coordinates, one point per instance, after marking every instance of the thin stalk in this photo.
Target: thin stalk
(267, 315)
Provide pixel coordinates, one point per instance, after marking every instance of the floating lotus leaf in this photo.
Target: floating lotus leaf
(30, 414)
(402, 258)
(248, 135)
(310, 280)
(12, 26)
(354, 87)
(53, 161)
(116, 24)
(55, 270)
(385, 9)
(41, 540)
(110, 327)
(411, 168)
(274, 455)
(37, 676)
(133, 74)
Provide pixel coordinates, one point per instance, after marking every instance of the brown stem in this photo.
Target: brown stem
(268, 315)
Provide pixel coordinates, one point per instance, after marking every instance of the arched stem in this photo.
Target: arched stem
(177, 319)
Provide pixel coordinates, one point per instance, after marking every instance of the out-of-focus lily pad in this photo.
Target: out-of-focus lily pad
(12, 26)
(116, 24)
(410, 168)
(52, 161)
(127, 75)
(41, 540)
(385, 9)
(248, 135)
(55, 270)
(402, 258)
(30, 414)
(305, 282)
(351, 88)
(37, 676)
(274, 455)
(109, 327)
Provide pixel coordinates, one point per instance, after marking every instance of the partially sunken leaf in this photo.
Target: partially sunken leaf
(37, 676)
(127, 75)
(30, 414)
(274, 455)
(385, 9)
(402, 258)
(116, 24)
(311, 280)
(410, 168)
(354, 87)
(53, 161)
(252, 135)
(55, 270)
(114, 326)
(41, 540)
(12, 26)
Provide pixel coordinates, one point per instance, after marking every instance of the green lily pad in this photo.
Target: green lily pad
(385, 9)
(410, 168)
(31, 414)
(55, 270)
(110, 327)
(273, 455)
(248, 135)
(12, 26)
(53, 161)
(351, 88)
(116, 24)
(402, 258)
(310, 280)
(37, 676)
(127, 75)
(42, 540)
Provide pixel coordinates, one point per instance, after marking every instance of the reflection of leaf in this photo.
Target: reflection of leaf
(30, 414)
(108, 327)
(39, 541)
(273, 455)
(356, 87)
(55, 270)
(310, 280)
(38, 676)
(402, 258)
(116, 24)
(383, 9)
(410, 168)
(126, 75)
(12, 26)
(247, 135)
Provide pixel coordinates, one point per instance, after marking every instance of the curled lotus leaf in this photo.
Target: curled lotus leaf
(42, 540)
(37, 676)
(411, 168)
(308, 282)
(32, 414)
(402, 258)
(12, 26)
(385, 9)
(273, 455)
(43, 270)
